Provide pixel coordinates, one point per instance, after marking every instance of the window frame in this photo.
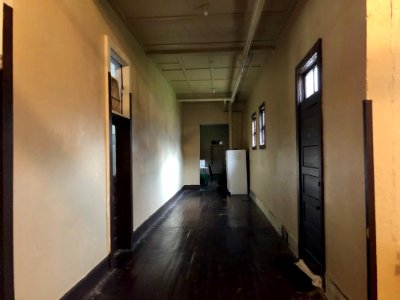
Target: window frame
(254, 131)
(261, 113)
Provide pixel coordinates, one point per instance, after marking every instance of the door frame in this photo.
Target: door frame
(301, 69)
(6, 159)
(112, 115)
(370, 199)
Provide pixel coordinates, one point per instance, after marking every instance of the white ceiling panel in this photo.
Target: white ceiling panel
(201, 86)
(222, 73)
(165, 67)
(181, 87)
(166, 59)
(174, 75)
(195, 61)
(198, 74)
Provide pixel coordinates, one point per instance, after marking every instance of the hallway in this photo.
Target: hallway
(209, 248)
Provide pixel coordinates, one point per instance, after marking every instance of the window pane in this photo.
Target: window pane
(316, 79)
(262, 126)
(309, 83)
(253, 131)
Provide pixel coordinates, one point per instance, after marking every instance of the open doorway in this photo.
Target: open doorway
(121, 184)
(214, 141)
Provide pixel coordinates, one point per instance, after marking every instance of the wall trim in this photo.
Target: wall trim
(147, 226)
(370, 199)
(192, 187)
(332, 291)
(293, 245)
(89, 282)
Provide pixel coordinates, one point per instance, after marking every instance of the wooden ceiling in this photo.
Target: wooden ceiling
(198, 54)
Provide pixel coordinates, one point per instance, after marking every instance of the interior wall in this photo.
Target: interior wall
(274, 171)
(207, 113)
(61, 141)
(383, 87)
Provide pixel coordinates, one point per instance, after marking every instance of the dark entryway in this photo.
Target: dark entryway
(311, 195)
(6, 159)
(121, 184)
(214, 141)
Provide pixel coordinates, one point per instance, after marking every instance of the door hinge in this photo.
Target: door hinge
(367, 233)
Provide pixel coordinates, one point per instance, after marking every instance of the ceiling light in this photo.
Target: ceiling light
(205, 13)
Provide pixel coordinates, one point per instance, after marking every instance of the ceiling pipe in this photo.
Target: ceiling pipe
(255, 19)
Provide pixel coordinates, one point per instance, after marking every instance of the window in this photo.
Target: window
(311, 82)
(261, 111)
(116, 85)
(254, 131)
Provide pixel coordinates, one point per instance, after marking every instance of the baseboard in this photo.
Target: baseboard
(292, 243)
(192, 187)
(332, 290)
(147, 226)
(89, 282)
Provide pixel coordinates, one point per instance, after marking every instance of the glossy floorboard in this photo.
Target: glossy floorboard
(209, 248)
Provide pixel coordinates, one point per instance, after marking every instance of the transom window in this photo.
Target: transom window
(117, 85)
(311, 82)
(254, 131)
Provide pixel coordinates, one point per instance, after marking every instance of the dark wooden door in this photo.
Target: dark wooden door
(311, 203)
(311, 206)
(121, 187)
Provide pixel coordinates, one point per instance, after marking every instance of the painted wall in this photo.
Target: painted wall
(61, 141)
(274, 179)
(383, 87)
(195, 114)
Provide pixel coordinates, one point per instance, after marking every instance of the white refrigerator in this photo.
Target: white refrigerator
(236, 172)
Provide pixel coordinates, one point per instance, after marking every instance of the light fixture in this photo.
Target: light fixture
(205, 13)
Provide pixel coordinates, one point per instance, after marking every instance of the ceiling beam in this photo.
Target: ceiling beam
(205, 100)
(208, 50)
(201, 16)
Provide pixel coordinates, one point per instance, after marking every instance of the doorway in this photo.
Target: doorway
(214, 141)
(6, 158)
(121, 184)
(310, 153)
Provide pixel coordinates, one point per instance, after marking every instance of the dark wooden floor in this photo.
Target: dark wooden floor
(209, 248)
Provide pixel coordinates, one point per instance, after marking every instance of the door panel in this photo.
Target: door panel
(311, 166)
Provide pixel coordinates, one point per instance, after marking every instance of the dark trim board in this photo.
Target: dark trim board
(370, 199)
(192, 187)
(147, 226)
(89, 282)
(6, 160)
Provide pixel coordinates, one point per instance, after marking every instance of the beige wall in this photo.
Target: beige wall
(274, 182)
(61, 142)
(383, 87)
(202, 113)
